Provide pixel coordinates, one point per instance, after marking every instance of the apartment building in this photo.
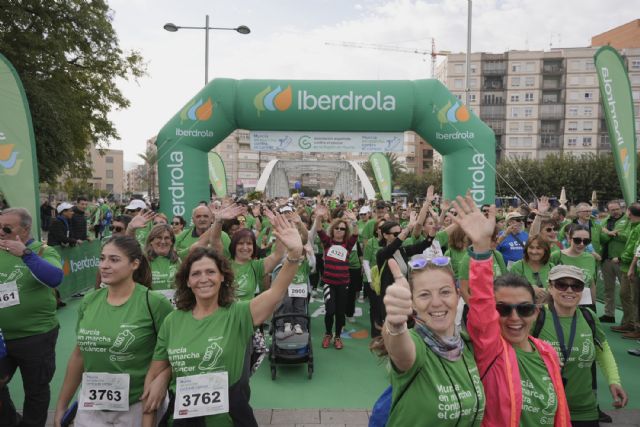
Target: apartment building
(108, 171)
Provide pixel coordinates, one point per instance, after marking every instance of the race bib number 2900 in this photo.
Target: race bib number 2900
(102, 391)
(201, 395)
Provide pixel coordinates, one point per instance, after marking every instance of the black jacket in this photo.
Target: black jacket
(60, 234)
(78, 225)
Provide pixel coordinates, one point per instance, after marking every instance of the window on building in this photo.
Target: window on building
(571, 142)
(515, 81)
(472, 97)
(109, 188)
(572, 112)
(514, 141)
(586, 141)
(529, 66)
(572, 126)
(514, 126)
(109, 174)
(458, 68)
(108, 159)
(587, 126)
(458, 83)
(459, 97)
(516, 67)
(635, 79)
(528, 126)
(636, 95)
(589, 65)
(635, 64)
(474, 68)
(588, 111)
(529, 81)
(528, 97)
(515, 98)
(528, 111)
(588, 95)
(515, 112)
(527, 141)
(473, 83)
(573, 96)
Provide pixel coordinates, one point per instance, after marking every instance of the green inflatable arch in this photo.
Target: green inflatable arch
(424, 106)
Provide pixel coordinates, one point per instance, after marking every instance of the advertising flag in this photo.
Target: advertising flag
(217, 174)
(617, 100)
(18, 163)
(382, 171)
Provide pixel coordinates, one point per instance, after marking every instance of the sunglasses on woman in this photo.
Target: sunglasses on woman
(550, 229)
(175, 223)
(525, 309)
(418, 262)
(578, 240)
(563, 286)
(340, 229)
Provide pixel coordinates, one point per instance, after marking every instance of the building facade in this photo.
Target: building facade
(108, 171)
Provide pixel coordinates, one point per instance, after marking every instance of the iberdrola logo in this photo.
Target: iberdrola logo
(453, 114)
(197, 110)
(624, 160)
(273, 100)
(9, 162)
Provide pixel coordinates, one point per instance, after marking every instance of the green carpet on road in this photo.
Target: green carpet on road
(351, 378)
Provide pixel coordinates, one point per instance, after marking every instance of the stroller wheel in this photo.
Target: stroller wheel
(273, 372)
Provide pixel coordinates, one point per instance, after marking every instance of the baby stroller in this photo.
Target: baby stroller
(291, 329)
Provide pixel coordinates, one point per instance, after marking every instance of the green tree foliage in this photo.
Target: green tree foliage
(67, 55)
(416, 185)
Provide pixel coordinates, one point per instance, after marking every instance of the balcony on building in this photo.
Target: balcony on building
(553, 82)
(496, 125)
(490, 82)
(493, 112)
(603, 141)
(550, 141)
(552, 66)
(494, 68)
(551, 111)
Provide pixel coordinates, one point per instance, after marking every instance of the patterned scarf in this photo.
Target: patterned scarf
(449, 348)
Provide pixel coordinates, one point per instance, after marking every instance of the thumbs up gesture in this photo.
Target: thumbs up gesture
(397, 299)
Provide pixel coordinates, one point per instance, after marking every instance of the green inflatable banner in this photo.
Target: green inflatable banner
(18, 163)
(615, 90)
(217, 174)
(424, 106)
(80, 266)
(382, 171)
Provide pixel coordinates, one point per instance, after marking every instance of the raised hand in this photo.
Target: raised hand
(413, 219)
(478, 227)
(397, 298)
(141, 220)
(349, 215)
(322, 211)
(287, 234)
(543, 205)
(430, 195)
(229, 212)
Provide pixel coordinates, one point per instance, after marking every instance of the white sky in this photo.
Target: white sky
(287, 41)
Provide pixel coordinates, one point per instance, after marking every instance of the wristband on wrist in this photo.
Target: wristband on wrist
(479, 256)
(396, 333)
(295, 260)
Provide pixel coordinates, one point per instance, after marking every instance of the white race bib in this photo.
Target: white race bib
(9, 295)
(298, 290)
(201, 395)
(102, 391)
(337, 252)
(168, 294)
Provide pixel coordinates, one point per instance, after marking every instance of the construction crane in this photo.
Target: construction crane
(433, 53)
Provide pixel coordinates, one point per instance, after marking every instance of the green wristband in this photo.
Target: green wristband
(479, 256)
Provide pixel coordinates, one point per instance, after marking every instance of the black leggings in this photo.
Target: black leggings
(354, 288)
(335, 303)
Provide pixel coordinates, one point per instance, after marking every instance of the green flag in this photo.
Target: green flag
(617, 100)
(217, 175)
(382, 171)
(18, 163)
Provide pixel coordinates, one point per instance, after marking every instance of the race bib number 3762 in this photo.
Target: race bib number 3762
(102, 391)
(201, 395)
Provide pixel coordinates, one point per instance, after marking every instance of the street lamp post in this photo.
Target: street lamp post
(242, 29)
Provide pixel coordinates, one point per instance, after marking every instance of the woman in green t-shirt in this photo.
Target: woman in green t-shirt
(579, 238)
(456, 249)
(205, 341)
(535, 266)
(163, 258)
(431, 359)
(579, 345)
(117, 326)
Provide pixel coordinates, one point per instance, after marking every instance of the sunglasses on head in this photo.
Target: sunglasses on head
(578, 240)
(563, 286)
(550, 229)
(525, 309)
(418, 262)
(116, 228)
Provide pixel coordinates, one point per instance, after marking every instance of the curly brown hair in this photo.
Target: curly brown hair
(184, 296)
(335, 223)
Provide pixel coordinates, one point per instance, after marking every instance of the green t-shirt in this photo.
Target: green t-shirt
(367, 231)
(163, 272)
(36, 313)
(443, 238)
(247, 278)
(456, 256)
(583, 404)
(536, 279)
(186, 239)
(455, 388)
(250, 221)
(354, 259)
(117, 339)
(498, 265)
(584, 261)
(215, 343)
(302, 275)
(142, 233)
(539, 400)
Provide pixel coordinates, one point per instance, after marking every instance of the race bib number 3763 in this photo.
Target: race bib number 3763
(102, 391)
(201, 395)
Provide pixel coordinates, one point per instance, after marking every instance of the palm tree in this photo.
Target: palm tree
(150, 159)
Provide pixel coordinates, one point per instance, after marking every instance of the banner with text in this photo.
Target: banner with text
(80, 266)
(366, 142)
(217, 174)
(382, 171)
(617, 101)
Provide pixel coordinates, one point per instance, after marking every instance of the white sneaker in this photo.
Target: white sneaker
(297, 329)
(351, 319)
(287, 327)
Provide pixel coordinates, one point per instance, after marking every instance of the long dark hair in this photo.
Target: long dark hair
(385, 229)
(184, 296)
(131, 248)
(511, 280)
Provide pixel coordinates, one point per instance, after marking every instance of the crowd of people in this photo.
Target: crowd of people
(487, 316)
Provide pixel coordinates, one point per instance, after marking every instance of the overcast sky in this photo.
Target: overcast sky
(287, 41)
